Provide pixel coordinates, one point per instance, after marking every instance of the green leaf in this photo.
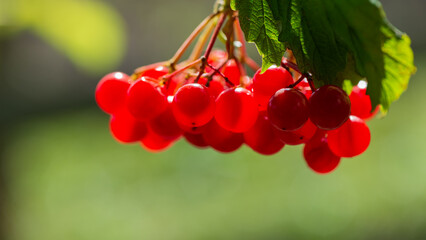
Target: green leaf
(338, 40)
(398, 59)
(260, 27)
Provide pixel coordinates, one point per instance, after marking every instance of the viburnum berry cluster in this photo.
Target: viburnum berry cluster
(210, 101)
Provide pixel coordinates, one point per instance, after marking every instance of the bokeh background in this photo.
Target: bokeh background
(62, 176)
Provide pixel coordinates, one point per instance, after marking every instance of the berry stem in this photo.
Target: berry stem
(192, 64)
(242, 70)
(243, 50)
(251, 63)
(210, 46)
(297, 82)
(285, 63)
(189, 40)
(220, 73)
(218, 69)
(204, 37)
(230, 37)
(311, 84)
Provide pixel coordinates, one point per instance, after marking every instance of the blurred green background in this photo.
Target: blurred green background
(63, 177)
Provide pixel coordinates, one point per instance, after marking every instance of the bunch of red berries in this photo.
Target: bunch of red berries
(223, 109)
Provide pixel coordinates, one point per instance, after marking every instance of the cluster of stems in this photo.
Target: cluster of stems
(224, 24)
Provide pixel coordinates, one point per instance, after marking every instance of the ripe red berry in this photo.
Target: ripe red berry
(329, 107)
(221, 139)
(171, 85)
(318, 156)
(261, 137)
(351, 139)
(156, 72)
(144, 100)
(299, 136)
(125, 128)
(232, 72)
(192, 130)
(153, 142)
(193, 105)
(196, 139)
(265, 85)
(166, 125)
(215, 86)
(216, 58)
(236, 110)
(111, 92)
(361, 103)
(288, 109)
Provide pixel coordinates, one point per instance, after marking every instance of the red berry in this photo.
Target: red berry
(261, 137)
(165, 125)
(265, 85)
(288, 109)
(351, 139)
(125, 128)
(216, 58)
(192, 130)
(215, 86)
(236, 110)
(196, 139)
(361, 103)
(155, 73)
(111, 92)
(153, 142)
(221, 139)
(318, 156)
(232, 72)
(329, 107)
(144, 100)
(296, 137)
(193, 105)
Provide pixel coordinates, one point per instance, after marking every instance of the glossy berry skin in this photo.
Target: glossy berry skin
(154, 143)
(261, 137)
(166, 125)
(215, 86)
(236, 110)
(156, 72)
(171, 85)
(192, 130)
(144, 100)
(232, 72)
(288, 109)
(351, 139)
(265, 85)
(329, 107)
(361, 104)
(221, 139)
(195, 139)
(299, 136)
(193, 105)
(127, 129)
(216, 58)
(111, 92)
(318, 155)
